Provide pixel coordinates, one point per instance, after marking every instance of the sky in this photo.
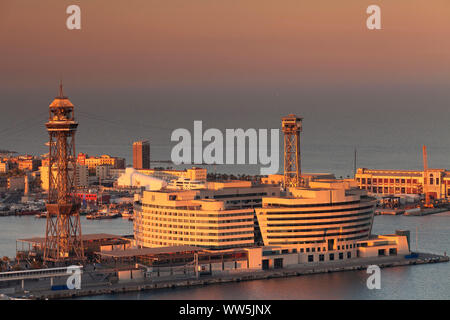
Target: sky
(137, 67)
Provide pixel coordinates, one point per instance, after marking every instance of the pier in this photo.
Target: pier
(92, 287)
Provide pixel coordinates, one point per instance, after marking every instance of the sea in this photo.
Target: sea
(429, 281)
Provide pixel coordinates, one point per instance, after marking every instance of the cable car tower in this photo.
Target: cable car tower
(292, 126)
(63, 231)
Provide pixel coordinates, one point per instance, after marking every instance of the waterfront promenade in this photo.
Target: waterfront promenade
(95, 287)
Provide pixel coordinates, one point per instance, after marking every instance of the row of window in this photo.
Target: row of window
(330, 256)
(384, 180)
(142, 220)
(312, 205)
(197, 215)
(313, 230)
(196, 240)
(319, 223)
(324, 217)
(270, 213)
(392, 190)
(322, 234)
(197, 227)
(344, 247)
(155, 232)
(358, 237)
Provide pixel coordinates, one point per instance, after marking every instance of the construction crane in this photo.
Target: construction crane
(425, 178)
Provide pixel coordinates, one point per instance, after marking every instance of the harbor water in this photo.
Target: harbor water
(428, 281)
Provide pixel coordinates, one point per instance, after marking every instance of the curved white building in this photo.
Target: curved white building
(133, 178)
(325, 220)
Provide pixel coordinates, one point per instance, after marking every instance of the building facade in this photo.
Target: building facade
(82, 178)
(324, 221)
(436, 182)
(4, 167)
(219, 217)
(141, 155)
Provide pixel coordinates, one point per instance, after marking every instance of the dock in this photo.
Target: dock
(91, 289)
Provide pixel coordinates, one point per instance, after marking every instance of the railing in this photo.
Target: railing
(34, 274)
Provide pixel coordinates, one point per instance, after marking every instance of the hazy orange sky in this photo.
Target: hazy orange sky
(164, 43)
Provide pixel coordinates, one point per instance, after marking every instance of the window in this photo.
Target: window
(311, 258)
(349, 255)
(307, 249)
(331, 256)
(321, 257)
(313, 249)
(341, 255)
(403, 180)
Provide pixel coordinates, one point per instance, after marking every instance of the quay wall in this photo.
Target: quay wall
(236, 277)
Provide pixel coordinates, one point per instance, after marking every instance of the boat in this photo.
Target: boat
(126, 215)
(41, 215)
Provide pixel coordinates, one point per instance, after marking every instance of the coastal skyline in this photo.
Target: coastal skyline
(132, 67)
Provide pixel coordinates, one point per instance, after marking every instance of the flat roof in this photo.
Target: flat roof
(84, 237)
(148, 251)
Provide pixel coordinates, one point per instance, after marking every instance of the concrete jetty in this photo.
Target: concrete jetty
(91, 289)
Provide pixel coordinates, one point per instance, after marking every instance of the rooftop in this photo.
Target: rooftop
(84, 237)
(148, 251)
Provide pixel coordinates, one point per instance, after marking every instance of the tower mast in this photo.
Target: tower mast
(292, 126)
(63, 231)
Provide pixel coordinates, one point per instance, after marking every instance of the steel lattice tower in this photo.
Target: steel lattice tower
(63, 231)
(292, 126)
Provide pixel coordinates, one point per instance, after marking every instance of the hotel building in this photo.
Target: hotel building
(390, 182)
(325, 221)
(218, 217)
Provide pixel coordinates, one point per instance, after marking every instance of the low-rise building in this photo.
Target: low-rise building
(394, 182)
(4, 167)
(93, 162)
(16, 183)
(82, 177)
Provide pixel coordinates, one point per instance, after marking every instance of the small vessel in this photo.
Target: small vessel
(41, 215)
(126, 214)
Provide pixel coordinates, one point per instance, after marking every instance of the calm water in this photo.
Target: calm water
(417, 282)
